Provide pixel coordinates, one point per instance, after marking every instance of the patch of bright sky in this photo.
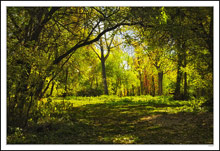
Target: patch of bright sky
(126, 48)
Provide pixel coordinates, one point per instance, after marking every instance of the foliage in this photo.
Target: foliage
(61, 60)
(90, 92)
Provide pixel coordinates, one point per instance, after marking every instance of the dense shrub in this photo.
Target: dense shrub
(89, 92)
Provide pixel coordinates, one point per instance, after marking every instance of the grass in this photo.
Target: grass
(117, 120)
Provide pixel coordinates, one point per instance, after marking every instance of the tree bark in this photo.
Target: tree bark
(22, 92)
(28, 110)
(104, 73)
(185, 79)
(185, 86)
(146, 91)
(133, 90)
(66, 80)
(141, 84)
(177, 95)
(51, 91)
(160, 83)
(153, 86)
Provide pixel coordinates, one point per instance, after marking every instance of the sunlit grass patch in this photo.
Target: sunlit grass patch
(124, 139)
(147, 118)
(154, 127)
(148, 101)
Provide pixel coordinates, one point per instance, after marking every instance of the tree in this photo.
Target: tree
(191, 24)
(103, 57)
(23, 33)
(47, 38)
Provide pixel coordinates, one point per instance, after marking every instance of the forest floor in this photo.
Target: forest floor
(115, 120)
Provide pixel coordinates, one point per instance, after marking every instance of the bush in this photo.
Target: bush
(126, 100)
(89, 92)
(196, 104)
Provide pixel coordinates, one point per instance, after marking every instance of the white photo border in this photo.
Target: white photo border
(5, 4)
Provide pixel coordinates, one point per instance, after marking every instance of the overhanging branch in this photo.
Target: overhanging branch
(73, 49)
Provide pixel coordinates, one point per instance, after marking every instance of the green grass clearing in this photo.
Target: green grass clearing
(116, 120)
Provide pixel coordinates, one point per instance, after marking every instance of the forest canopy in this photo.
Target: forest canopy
(94, 51)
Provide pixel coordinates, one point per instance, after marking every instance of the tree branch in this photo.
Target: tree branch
(48, 16)
(64, 27)
(96, 53)
(100, 12)
(44, 91)
(74, 48)
(92, 30)
(107, 54)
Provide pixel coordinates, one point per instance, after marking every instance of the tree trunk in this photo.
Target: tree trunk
(133, 90)
(28, 110)
(104, 73)
(185, 79)
(21, 95)
(52, 87)
(210, 42)
(185, 86)
(160, 83)
(153, 86)
(141, 84)
(116, 86)
(97, 83)
(177, 95)
(146, 84)
(66, 80)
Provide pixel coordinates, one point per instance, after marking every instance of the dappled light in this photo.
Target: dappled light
(116, 122)
(148, 118)
(110, 75)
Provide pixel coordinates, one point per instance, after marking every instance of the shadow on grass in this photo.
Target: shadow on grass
(122, 122)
